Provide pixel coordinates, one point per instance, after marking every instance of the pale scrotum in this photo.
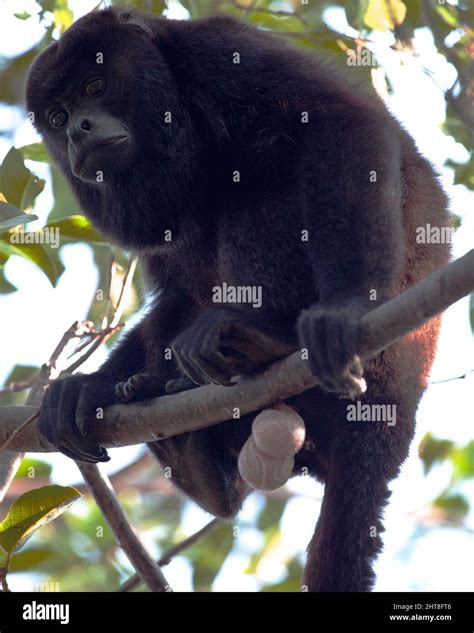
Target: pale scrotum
(267, 458)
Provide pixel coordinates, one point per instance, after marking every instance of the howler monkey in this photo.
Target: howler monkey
(227, 158)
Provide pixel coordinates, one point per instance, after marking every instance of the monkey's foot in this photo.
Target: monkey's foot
(139, 387)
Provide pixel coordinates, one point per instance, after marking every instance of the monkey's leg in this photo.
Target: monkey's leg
(347, 537)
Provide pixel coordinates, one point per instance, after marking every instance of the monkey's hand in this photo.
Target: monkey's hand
(330, 335)
(225, 343)
(69, 408)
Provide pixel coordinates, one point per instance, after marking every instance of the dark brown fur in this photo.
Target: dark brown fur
(295, 176)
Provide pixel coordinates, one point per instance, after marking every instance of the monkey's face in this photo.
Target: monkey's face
(98, 142)
(111, 113)
(93, 99)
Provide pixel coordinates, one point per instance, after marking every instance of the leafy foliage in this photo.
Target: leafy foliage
(33, 510)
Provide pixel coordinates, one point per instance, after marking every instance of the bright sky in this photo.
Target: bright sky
(34, 318)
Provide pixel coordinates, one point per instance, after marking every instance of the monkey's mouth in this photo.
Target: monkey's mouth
(104, 155)
(111, 141)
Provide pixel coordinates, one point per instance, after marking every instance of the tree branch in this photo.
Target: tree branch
(173, 551)
(167, 416)
(101, 489)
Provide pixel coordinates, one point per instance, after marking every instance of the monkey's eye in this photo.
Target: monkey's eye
(95, 87)
(58, 118)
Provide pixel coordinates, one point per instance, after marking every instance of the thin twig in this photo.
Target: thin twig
(101, 337)
(105, 318)
(114, 326)
(438, 382)
(106, 499)
(172, 552)
(126, 285)
(3, 579)
(14, 387)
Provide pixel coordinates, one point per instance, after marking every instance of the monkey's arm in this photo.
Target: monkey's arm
(352, 210)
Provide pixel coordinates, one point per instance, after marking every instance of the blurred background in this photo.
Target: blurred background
(419, 54)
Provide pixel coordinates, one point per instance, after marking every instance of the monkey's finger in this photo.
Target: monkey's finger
(179, 384)
(217, 367)
(86, 415)
(211, 372)
(69, 448)
(222, 367)
(91, 400)
(187, 367)
(356, 367)
(123, 392)
(141, 386)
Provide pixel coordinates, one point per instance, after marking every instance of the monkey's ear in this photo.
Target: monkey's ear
(134, 21)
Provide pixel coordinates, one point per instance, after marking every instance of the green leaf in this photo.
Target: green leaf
(153, 7)
(29, 465)
(35, 253)
(20, 373)
(17, 184)
(453, 126)
(448, 14)
(355, 12)
(35, 151)
(275, 22)
(78, 228)
(209, 556)
(455, 505)
(455, 221)
(464, 173)
(11, 216)
(14, 177)
(383, 16)
(64, 202)
(433, 450)
(33, 510)
(32, 190)
(292, 581)
(30, 559)
(5, 286)
(463, 461)
(63, 16)
(268, 523)
(271, 543)
(13, 75)
(271, 514)
(22, 15)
